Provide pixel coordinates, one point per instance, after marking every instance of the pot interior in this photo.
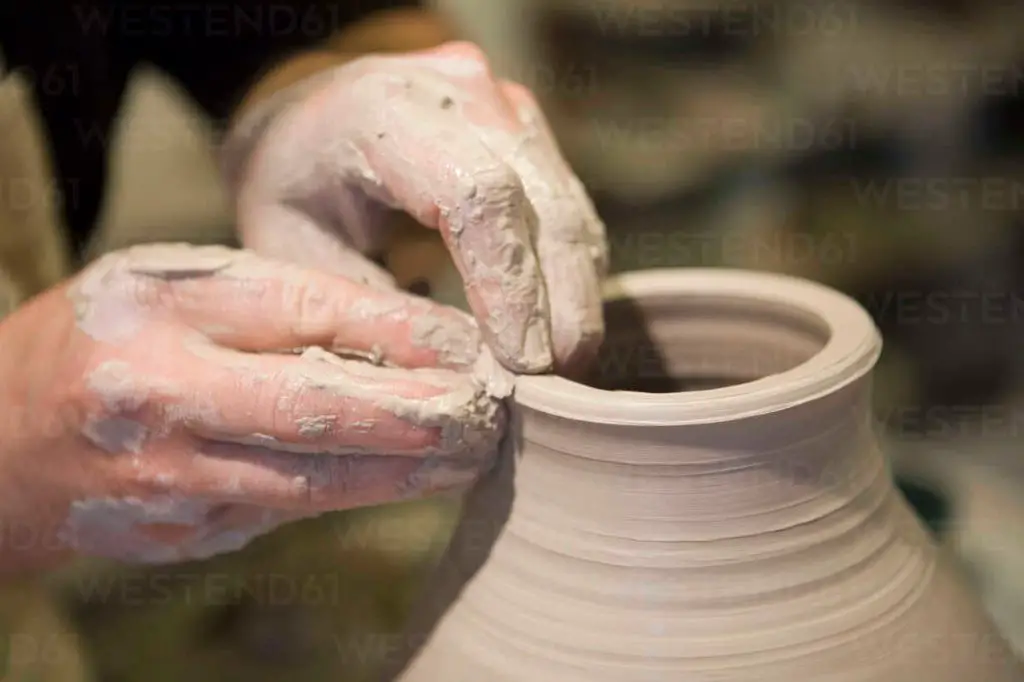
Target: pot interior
(671, 344)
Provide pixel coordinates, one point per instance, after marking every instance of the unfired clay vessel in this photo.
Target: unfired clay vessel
(743, 527)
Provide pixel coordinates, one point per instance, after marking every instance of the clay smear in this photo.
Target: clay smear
(522, 232)
(159, 530)
(138, 411)
(111, 298)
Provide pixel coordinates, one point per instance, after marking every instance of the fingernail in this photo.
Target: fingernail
(534, 357)
(537, 351)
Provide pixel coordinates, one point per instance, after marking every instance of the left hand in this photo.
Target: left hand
(151, 409)
(436, 134)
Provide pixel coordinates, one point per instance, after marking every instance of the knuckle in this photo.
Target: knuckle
(71, 407)
(460, 59)
(521, 95)
(312, 304)
(154, 483)
(466, 50)
(110, 281)
(115, 388)
(492, 183)
(105, 275)
(375, 80)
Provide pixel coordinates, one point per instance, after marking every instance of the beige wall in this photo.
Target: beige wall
(30, 244)
(164, 183)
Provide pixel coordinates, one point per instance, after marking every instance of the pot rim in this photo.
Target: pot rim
(851, 351)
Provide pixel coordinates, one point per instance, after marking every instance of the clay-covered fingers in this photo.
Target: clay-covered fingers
(314, 433)
(318, 403)
(503, 135)
(434, 133)
(243, 301)
(451, 179)
(530, 114)
(298, 434)
(569, 241)
(313, 483)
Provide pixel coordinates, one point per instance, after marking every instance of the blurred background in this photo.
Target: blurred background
(876, 146)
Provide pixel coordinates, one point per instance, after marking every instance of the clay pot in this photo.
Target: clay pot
(712, 507)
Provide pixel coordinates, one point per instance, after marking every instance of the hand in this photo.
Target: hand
(152, 411)
(433, 133)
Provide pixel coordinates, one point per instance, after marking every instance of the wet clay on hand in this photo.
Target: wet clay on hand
(188, 399)
(711, 507)
(316, 167)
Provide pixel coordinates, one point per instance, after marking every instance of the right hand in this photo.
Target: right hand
(152, 413)
(437, 135)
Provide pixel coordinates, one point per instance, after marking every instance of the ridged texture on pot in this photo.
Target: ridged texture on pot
(737, 534)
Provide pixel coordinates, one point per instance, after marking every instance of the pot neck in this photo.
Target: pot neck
(733, 479)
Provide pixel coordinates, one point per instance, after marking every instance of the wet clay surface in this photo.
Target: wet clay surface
(671, 537)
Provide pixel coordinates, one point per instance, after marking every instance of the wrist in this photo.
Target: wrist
(33, 432)
(32, 508)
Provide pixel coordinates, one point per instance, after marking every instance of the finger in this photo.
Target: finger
(461, 74)
(288, 234)
(452, 181)
(480, 100)
(221, 481)
(446, 180)
(569, 238)
(319, 403)
(225, 528)
(247, 302)
(532, 116)
(568, 241)
(266, 478)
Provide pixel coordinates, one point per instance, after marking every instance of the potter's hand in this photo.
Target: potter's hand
(148, 418)
(435, 134)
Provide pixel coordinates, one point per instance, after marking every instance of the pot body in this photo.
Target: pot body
(712, 506)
